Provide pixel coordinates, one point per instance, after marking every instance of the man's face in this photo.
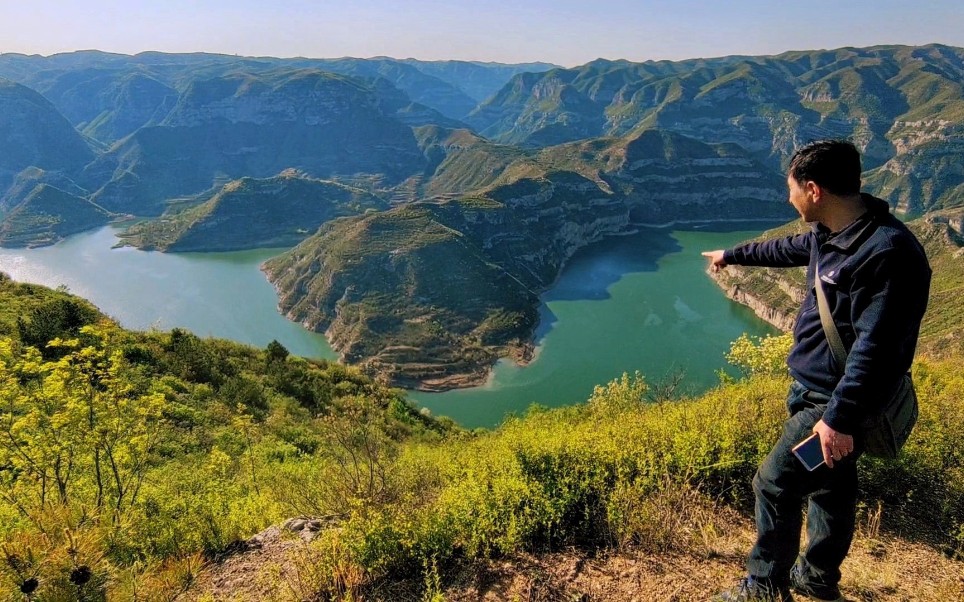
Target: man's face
(800, 199)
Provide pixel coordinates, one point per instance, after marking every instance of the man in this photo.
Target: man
(876, 279)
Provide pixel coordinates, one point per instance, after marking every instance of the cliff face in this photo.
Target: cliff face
(667, 177)
(772, 296)
(926, 174)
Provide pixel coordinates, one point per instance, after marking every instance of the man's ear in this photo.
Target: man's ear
(816, 192)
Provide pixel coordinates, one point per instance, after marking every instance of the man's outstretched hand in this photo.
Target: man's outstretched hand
(716, 259)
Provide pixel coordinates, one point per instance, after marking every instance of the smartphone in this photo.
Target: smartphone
(809, 452)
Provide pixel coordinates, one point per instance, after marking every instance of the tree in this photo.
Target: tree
(77, 431)
(277, 353)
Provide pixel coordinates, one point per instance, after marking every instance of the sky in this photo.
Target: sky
(564, 32)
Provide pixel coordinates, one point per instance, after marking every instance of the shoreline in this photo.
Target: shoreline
(463, 380)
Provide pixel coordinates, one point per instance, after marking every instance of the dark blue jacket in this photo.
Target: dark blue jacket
(876, 279)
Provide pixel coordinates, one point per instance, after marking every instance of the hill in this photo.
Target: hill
(252, 213)
(431, 293)
(34, 134)
(121, 445)
(47, 215)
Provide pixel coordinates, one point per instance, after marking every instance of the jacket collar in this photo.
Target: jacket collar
(862, 227)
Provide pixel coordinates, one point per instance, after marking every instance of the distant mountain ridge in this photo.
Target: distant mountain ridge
(891, 100)
(155, 127)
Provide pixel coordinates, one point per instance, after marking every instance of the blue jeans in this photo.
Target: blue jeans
(782, 484)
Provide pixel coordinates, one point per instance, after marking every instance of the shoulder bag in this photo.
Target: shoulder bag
(886, 432)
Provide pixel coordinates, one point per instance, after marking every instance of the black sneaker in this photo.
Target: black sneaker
(824, 593)
(752, 589)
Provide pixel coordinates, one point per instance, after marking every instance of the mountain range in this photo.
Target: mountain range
(427, 205)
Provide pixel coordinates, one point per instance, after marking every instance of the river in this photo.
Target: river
(639, 302)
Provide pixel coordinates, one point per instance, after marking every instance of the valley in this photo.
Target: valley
(420, 209)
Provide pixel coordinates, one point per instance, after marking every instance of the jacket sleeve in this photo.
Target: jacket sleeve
(888, 300)
(792, 251)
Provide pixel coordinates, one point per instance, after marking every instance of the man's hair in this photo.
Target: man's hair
(833, 164)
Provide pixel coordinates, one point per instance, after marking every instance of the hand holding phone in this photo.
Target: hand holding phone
(809, 452)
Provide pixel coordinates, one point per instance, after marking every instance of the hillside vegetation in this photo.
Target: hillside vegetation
(130, 460)
(125, 457)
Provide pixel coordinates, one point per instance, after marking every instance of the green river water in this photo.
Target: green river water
(639, 302)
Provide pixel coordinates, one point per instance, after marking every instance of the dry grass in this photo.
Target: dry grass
(698, 547)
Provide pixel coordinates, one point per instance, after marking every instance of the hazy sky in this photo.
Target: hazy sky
(559, 31)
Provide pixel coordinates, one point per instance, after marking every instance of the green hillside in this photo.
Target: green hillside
(47, 215)
(123, 451)
(407, 296)
(180, 449)
(252, 213)
(33, 134)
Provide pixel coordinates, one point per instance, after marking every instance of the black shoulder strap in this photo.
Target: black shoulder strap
(829, 328)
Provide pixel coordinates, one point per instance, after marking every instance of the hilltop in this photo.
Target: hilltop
(252, 213)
